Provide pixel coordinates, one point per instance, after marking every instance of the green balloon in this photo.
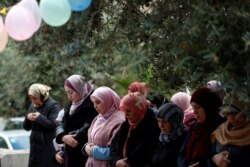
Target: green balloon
(55, 12)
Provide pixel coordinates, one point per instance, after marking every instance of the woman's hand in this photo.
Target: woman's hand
(122, 163)
(221, 159)
(89, 148)
(33, 116)
(59, 157)
(70, 140)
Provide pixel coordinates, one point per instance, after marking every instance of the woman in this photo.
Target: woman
(182, 100)
(78, 115)
(170, 121)
(196, 146)
(231, 140)
(104, 126)
(138, 87)
(132, 145)
(41, 121)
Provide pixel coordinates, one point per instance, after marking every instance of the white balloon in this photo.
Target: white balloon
(33, 7)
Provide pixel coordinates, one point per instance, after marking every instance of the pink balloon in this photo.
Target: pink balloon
(3, 36)
(33, 7)
(20, 23)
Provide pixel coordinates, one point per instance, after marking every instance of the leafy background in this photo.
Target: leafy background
(169, 44)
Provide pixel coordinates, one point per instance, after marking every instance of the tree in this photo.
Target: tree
(169, 44)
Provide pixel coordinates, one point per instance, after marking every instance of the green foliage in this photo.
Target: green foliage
(168, 44)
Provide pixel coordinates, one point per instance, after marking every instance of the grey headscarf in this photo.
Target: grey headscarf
(174, 115)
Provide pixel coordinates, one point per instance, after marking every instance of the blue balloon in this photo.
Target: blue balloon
(79, 5)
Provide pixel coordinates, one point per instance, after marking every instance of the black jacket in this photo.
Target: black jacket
(139, 144)
(43, 129)
(77, 123)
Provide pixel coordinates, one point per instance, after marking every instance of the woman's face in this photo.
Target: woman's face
(99, 106)
(72, 95)
(37, 101)
(131, 115)
(235, 119)
(164, 126)
(199, 112)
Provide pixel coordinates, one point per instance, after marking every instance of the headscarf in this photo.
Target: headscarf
(216, 87)
(109, 97)
(237, 135)
(80, 85)
(208, 100)
(39, 90)
(182, 100)
(174, 115)
(137, 103)
(198, 144)
(138, 87)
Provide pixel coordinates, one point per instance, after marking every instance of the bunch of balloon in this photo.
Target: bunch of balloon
(3, 35)
(23, 20)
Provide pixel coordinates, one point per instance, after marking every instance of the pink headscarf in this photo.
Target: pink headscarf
(138, 87)
(109, 97)
(80, 85)
(182, 100)
(137, 103)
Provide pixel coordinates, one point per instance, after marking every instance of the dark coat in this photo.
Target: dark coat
(42, 150)
(77, 123)
(139, 144)
(238, 155)
(166, 154)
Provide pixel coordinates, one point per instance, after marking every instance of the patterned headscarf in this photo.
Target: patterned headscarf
(109, 97)
(39, 90)
(174, 115)
(137, 103)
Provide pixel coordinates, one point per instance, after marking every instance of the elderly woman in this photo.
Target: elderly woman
(231, 140)
(196, 146)
(132, 145)
(104, 127)
(78, 115)
(170, 121)
(41, 121)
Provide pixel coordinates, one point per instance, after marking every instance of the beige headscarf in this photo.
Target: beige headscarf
(237, 135)
(39, 90)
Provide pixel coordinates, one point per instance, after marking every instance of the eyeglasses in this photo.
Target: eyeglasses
(231, 114)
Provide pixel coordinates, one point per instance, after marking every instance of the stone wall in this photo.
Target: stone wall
(9, 158)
